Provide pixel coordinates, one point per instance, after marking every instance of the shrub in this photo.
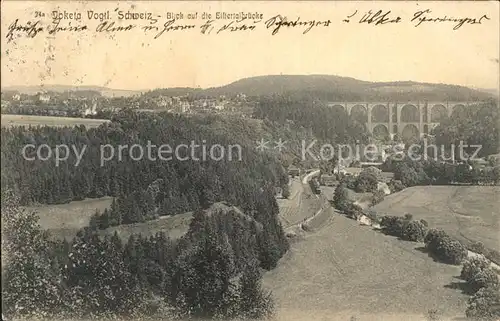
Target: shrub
(484, 305)
(444, 247)
(472, 266)
(392, 225)
(367, 181)
(395, 186)
(341, 198)
(433, 237)
(482, 279)
(353, 211)
(414, 231)
(407, 175)
(451, 251)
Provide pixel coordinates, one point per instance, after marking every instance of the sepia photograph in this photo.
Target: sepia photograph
(250, 160)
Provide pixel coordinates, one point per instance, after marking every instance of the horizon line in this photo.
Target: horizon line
(257, 76)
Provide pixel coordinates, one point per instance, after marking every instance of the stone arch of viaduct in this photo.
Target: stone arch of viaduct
(396, 118)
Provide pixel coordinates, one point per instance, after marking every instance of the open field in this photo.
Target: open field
(174, 226)
(64, 220)
(24, 120)
(465, 212)
(344, 269)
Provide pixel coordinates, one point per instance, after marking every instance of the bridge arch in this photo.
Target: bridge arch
(359, 113)
(339, 109)
(333, 106)
(410, 114)
(438, 113)
(410, 133)
(380, 114)
(380, 131)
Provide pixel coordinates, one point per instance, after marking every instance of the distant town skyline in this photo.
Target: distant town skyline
(430, 53)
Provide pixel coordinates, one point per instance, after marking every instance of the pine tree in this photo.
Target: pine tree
(30, 284)
(254, 303)
(203, 278)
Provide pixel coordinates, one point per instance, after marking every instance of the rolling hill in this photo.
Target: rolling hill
(324, 87)
(335, 88)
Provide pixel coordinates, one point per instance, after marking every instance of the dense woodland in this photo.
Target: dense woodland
(476, 125)
(226, 249)
(325, 123)
(213, 271)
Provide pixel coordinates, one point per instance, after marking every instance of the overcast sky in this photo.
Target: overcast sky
(433, 52)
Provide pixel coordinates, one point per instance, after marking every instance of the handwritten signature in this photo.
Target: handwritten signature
(378, 18)
(279, 21)
(421, 16)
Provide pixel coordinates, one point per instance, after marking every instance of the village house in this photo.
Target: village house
(43, 97)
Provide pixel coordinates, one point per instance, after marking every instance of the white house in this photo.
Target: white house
(43, 97)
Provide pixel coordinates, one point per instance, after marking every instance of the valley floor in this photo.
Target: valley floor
(343, 269)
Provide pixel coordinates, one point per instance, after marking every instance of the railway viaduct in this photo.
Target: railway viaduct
(406, 119)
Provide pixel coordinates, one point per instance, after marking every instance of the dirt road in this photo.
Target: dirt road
(302, 203)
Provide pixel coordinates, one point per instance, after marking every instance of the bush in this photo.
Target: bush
(395, 186)
(393, 225)
(444, 247)
(353, 211)
(451, 251)
(433, 237)
(473, 266)
(484, 305)
(482, 279)
(367, 181)
(341, 197)
(414, 231)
